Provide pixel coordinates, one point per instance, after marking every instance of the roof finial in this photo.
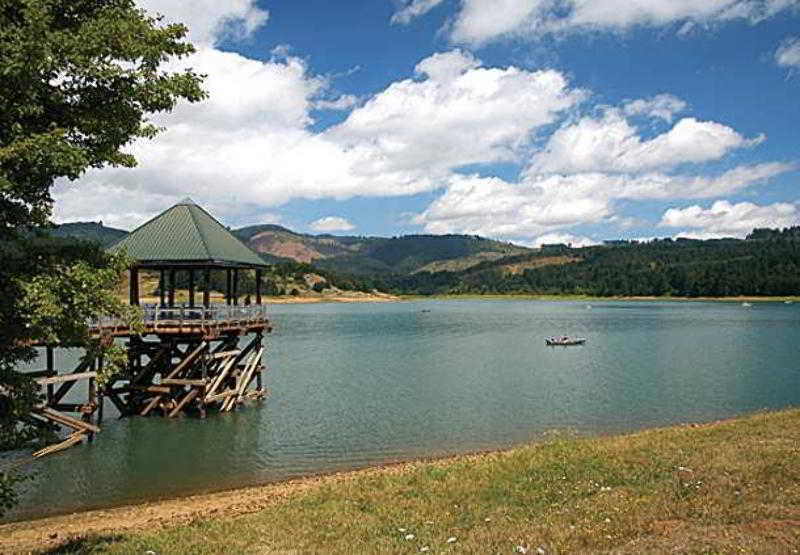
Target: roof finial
(187, 200)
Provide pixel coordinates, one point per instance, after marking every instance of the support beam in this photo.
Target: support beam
(50, 372)
(171, 288)
(134, 287)
(207, 288)
(191, 288)
(162, 285)
(258, 286)
(236, 286)
(228, 286)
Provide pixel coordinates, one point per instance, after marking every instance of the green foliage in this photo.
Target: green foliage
(78, 79)
(767, 263)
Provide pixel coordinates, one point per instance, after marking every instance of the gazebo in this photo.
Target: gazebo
(186, 238)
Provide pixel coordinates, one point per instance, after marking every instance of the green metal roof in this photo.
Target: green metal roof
(183, 235)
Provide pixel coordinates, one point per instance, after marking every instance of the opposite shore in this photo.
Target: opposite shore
(386, 297)
(725, 486)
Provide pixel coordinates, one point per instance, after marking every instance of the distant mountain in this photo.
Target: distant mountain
(766, 263)
(349, 255)
(89, 231)
(367, 256)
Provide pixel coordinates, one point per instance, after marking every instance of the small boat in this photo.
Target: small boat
(746, 305)
(564, 341)
(787, 302)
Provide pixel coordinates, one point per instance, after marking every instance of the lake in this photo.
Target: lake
(353, 385)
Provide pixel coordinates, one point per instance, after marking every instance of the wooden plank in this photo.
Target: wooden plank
(225, 354)
(188, 397)
(66, 378)
(218, 380)
(181, 381)
(187, 360)
(153, 388)
(150, 405)
(74, 438)
(157, 399)
(220, 396)
(244, 381)
(63, 419)
(73, 422)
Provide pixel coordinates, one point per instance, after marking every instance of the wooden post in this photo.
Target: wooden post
(91, 402)
(228, 286)
(236, 286)
(100, 398)
(134, 287)
(207, 288)
(50, 372)
(258, 286)
(162, 284)
(191, 288)
(171, 288)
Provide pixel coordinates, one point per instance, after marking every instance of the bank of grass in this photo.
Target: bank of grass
(728, 487)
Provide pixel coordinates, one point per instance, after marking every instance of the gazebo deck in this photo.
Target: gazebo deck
(198, 321)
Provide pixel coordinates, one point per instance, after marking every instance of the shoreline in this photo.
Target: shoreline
(391, 298)
(573, 298)
(164, 514)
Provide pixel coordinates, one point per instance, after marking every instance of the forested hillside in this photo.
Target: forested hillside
(766, 263)
(89, 231)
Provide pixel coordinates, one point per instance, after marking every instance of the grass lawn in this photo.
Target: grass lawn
(727, 487)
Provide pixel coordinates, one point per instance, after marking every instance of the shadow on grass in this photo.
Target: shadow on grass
(85, 544)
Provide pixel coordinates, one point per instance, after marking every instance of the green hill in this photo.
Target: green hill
(89, 231)
(767, 263)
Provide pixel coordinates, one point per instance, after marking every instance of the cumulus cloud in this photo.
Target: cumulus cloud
(249, 144)
(724, 219)
(481, 21)
(662, 106)
(414, 8)
(329, 224)
(210, 21)
(611, 144)
(788, 53)
(543, 203)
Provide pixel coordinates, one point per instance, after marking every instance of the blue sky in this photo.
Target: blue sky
(526, 120)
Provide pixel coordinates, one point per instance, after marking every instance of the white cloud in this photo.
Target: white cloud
(344, 102)
(481, 21)
(574, 241)
(540, 204)
(788, 53)
(724, 219)
(331, 223)
(612, 144)
(663, 106)
(250, 145)
(414, 8)
(460, 114)
(209, 21)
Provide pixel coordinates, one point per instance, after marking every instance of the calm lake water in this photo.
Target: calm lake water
(351, 385)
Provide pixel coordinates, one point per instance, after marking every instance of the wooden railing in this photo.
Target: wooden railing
(155, 317)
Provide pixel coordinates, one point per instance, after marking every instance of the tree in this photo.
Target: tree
(78, 79)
